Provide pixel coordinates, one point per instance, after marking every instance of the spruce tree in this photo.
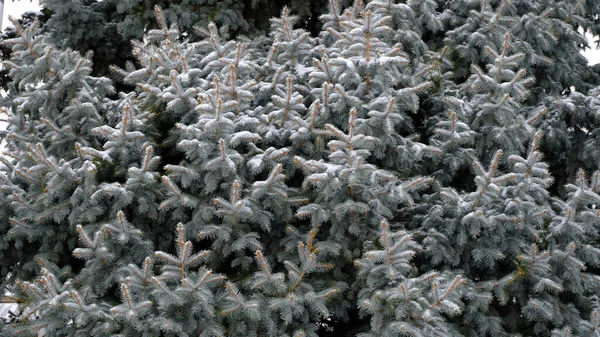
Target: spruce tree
(107, 26)
(413, 168)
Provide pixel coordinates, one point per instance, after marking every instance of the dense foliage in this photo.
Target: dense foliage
(107, 26)
(414, 168)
